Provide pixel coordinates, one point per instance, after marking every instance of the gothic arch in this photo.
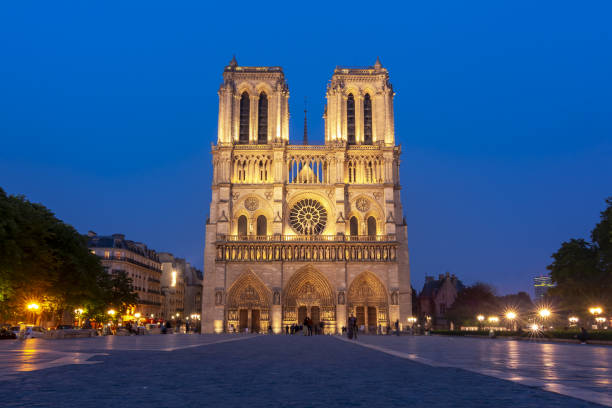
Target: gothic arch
(248, 291)
(367, 299)
(248, 304)
(309, 288)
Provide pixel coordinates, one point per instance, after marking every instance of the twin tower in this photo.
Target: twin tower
(301, 230)
(254, 106)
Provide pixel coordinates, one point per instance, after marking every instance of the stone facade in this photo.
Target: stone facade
(305, 230)
(436, 297)
(172, 285)
(140, 263)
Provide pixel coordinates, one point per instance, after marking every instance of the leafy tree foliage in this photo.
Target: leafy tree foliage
(582, 271)
(43, 259)
(473, 300)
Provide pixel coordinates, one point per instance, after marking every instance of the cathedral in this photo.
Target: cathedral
(299, 230)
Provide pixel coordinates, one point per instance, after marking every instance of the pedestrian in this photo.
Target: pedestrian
(269, 329)
(583, 336)
(397, 327)
(286, 329)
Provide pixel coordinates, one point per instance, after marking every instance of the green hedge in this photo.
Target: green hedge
(551, 334)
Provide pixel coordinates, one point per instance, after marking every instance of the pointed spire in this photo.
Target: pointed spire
(233, 63)
(305, 124)
(377, 64)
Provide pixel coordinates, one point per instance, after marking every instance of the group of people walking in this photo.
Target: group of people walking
(308, 327)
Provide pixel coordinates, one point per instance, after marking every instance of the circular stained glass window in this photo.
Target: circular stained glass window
(308, 217)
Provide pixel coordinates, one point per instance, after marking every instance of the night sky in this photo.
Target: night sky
(503, 112)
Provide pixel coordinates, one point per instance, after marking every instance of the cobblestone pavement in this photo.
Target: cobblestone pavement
(254, 371)
(581, 371)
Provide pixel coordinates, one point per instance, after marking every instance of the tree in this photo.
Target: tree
(582, 271)
(43, 259)
(472, 301)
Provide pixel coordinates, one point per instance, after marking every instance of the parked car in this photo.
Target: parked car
(6, 334)
(65, 327)
(15, 330)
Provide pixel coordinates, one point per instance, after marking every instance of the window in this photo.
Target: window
(242, 225)
(262, 119)
(367, 120)
(243, 136)
(371, 226)
(262, 225)
(107, 254)
(350, 119)
(354, 226)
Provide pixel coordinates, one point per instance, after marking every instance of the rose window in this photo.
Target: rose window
(308, 217)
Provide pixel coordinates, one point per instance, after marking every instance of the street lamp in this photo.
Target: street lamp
(33, 307)
(544, 313)
(511, 316)
(78, 312)
(112, 312)
(493, 319)
(573, 320)
(596, 311)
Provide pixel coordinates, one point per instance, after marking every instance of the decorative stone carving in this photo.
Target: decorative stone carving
(251, 203)
(235, 195)
(276, 298)
(218, 297)
(377, 195)
(395, 298)
(362, 204)
(268, 195)
(341, 298)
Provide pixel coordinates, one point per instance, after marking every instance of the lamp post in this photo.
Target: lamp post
(596, 311)
(78, 313)
(33, 308)
(544, 314)
(573, 320)
(480, 319)
(511, 317)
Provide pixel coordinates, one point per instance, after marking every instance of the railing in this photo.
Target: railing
(306, 238)
(132, 261)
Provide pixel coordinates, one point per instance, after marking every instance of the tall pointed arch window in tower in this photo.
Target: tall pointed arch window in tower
(262, 226)
(242, 226)
(367, 120)
(245, 107)
(371, 226)
(350, 119)
(262, 119)
(353, 225)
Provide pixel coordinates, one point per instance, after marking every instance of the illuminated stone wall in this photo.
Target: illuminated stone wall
(331, 210)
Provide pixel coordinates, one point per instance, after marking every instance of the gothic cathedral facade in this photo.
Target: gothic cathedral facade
(300, 230)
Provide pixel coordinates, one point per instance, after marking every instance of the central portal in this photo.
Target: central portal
(309, 293)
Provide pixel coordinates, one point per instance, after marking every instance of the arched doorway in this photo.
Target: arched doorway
(309, 293)
(248, 304)
(368, 302)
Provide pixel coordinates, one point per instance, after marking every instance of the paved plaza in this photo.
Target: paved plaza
(297, 371)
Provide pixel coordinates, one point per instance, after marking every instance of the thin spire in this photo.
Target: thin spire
(233, 62)
(305, 124)
(377, 64)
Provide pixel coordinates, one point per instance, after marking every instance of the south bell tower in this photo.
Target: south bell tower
(305, 230)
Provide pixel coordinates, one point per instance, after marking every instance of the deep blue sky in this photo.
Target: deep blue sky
(503, 111)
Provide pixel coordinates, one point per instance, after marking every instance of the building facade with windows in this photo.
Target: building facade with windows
(541, 284)
(300, 230)
(172, 285)
(139, 263)
(437, 297)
